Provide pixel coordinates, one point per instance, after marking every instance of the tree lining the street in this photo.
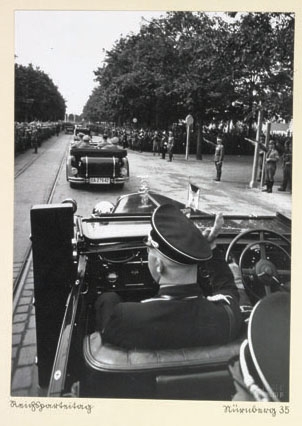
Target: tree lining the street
(194, 63)
(261, 53)
(36, 96)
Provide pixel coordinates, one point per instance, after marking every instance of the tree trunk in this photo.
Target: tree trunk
(157, 115)
(199, 139)
(249, 129)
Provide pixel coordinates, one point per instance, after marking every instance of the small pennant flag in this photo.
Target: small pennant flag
(193, 196)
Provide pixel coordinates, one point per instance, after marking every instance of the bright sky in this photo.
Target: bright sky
(68, 45)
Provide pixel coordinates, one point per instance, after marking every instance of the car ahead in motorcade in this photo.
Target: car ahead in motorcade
(80, 130)
(98, 162)
(69, 128)
(77, 258)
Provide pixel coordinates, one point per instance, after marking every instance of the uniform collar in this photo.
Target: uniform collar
(180, 290)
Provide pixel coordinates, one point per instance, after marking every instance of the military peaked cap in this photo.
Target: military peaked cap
(267, 353)
(177, 236)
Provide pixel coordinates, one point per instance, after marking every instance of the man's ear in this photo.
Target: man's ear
(159, 266)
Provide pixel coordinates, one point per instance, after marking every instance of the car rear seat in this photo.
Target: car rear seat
(107, 358)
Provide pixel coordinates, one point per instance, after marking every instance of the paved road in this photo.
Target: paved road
(231, 195)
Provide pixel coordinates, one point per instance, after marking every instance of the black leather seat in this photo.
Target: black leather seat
(189, 373)
(106, 358)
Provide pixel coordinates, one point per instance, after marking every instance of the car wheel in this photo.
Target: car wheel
(72, 185)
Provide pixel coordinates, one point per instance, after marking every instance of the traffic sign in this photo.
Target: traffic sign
(189, 120)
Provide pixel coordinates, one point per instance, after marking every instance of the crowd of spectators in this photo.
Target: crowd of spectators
(143, 139)
(162, 142)
(31, 135)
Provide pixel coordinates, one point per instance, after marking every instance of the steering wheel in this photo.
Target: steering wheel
(264, 264)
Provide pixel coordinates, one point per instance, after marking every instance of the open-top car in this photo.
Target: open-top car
(83, 130)
(76, 259)
(97, 162)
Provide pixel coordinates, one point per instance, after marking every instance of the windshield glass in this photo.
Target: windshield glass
(139, 203)
(143, 202)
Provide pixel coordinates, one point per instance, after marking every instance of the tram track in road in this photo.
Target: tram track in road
(28, 164)
(23, 267)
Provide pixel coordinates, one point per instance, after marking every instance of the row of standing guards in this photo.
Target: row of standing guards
(29, 135)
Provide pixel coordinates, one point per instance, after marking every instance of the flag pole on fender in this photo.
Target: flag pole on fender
(193, 196)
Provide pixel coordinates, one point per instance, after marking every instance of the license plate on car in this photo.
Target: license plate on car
(99, 180)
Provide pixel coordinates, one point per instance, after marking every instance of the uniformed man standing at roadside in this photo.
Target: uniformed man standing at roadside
(170, 145)
(34, 139)
(140, 139)
(156, 143)
(163, 145)
(218, 158)
(28, 137)
(287, 167)
(124, 139)
(272, 158)
(23, 137)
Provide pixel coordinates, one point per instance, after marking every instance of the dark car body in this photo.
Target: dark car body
(77, 258)
(97, 163)
(69, 128)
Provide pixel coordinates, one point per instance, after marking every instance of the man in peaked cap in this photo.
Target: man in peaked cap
(262, 371)
(180, 315)
(218, 158)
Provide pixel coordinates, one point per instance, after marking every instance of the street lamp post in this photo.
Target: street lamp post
(253, 182)
(189, 123)
(268, 131)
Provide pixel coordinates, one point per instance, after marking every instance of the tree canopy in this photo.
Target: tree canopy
(36, 96)
(191, 62)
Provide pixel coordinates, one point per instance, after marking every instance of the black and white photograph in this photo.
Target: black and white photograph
(152, 207)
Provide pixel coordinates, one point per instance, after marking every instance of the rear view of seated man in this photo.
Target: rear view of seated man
(84, 142)
(180, 315)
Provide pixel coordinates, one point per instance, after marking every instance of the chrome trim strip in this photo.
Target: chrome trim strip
(256, 365)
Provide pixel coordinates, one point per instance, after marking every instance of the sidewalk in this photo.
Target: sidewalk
(232, 195)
